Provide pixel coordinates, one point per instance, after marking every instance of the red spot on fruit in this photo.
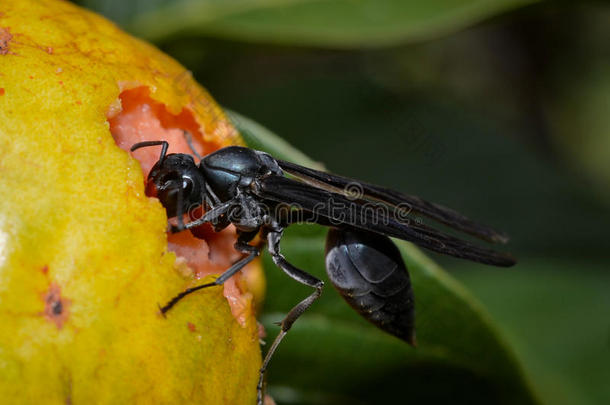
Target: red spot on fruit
(5, 39)
(45, 269)
(1, 91)
(50, 50)
(56, 306)
(191, 327)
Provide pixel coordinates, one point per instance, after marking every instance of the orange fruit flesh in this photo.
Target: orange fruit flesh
(140, 118)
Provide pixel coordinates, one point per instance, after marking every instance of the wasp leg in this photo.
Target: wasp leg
(179, 213)
(145, 144)
(209, 216)
(242, 246)
(273, 239)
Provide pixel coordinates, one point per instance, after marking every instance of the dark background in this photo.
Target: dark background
(505, 117)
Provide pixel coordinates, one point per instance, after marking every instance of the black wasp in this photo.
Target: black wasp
(250, 189)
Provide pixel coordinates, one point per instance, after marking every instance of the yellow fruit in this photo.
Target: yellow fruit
(84, 257)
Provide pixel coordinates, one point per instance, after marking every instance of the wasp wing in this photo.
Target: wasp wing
(405, 202)
(334, 209)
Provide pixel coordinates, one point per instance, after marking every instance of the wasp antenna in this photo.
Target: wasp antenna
(145, 144)
(189, 141)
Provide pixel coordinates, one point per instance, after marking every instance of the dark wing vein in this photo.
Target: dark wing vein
(434, 211)
(330, 208)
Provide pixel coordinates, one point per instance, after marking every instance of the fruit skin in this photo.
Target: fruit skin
(83, 251)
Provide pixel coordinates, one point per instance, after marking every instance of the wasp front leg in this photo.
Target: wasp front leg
(241, 245)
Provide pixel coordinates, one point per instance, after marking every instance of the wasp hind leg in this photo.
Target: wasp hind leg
(273, 239)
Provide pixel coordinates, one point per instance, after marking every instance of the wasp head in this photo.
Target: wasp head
(177, 182)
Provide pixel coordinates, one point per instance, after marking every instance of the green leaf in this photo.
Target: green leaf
(557, 312)
(259, 137)
(332, 356)
(326, 23)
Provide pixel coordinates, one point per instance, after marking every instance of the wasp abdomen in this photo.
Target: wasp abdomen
(369, 273)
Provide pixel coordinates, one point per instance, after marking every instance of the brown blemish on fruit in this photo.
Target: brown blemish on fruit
(191, 326)
(5, 39)
(56, 306)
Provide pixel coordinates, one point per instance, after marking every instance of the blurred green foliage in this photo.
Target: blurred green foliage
(499, 109)
(325, 23)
